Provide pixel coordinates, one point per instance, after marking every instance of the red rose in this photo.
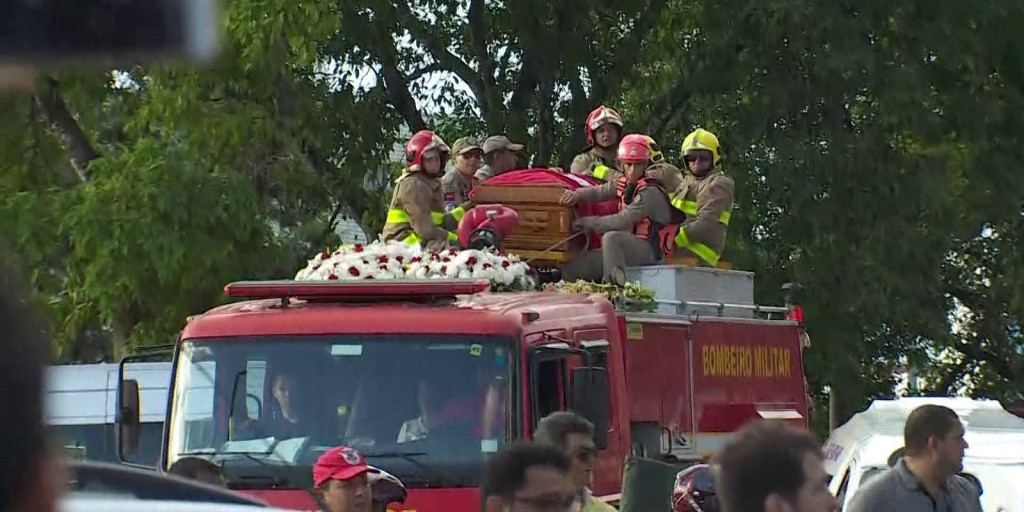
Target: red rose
(471, 260)
(353, 271)
(358, 248)
(332, 277)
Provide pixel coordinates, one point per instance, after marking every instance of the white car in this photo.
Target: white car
(93, 503)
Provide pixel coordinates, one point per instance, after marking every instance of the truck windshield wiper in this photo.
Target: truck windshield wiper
(413, 458)
(247, 481)
(251, 455)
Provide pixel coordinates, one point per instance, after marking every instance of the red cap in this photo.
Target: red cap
(341, 463)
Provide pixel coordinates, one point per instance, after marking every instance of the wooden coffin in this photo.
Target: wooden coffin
(542, 221)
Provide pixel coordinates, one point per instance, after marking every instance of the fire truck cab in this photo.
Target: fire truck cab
(429, 378)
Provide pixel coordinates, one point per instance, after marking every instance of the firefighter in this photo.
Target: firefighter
(459, 181)
(604, 131)
(500, 156)
(705, 195)
(417, 213)
(641, 232)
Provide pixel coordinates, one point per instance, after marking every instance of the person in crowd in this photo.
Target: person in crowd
(460, 180)
(417, 214)
(705, 196)
(604, 131)
(525, 477)
(771, 467)
(341, 481)
(198, 469)
(573, 435)
(926, 476)
(32, 477)
(500, 156)
(386, 489)
(643, 229)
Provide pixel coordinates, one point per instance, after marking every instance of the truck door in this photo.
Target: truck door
(610, 461)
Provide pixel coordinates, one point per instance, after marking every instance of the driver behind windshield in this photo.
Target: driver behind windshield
(286, 421)
(283, 418)
(431, 406)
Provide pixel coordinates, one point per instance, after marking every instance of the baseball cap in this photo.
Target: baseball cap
(496, 142)
(465, 144)
(340, 463)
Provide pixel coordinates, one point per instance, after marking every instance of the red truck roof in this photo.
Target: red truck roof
(486, 313)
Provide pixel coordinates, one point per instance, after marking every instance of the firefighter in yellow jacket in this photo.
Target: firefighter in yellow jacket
(417, 213)
(705, 195)
(604, 131)
(642, 231)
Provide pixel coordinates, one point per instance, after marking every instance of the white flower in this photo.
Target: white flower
(396, 260)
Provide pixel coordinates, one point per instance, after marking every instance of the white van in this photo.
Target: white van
(81, 404)
(861, 448)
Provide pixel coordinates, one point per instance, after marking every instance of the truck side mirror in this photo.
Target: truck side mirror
(127, 417)
(590, 399)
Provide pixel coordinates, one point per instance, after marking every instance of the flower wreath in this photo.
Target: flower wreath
(395, 260)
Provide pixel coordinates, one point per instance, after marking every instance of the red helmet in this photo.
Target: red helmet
(599, 117)
(638, 148)
(695, 490)
(420, 143)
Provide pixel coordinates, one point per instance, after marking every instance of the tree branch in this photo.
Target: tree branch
(425, 70)
(397, 88)
(478, 42)
(546, 123)
(439, 51)
(1007, 363)
(627, 52)
(667, 107)
(76, 143)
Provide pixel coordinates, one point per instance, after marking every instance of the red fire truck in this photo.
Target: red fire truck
(263, 386)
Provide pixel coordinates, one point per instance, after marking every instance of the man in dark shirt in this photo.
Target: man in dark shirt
(925, 478)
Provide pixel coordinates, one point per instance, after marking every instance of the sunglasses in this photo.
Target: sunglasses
(699, 157)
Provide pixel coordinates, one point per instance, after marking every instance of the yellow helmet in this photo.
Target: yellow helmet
(656, 154)
(702, 139)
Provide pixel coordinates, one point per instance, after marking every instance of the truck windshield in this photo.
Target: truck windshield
(429, 409)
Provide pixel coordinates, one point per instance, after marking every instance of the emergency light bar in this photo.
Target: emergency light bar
(285, 289)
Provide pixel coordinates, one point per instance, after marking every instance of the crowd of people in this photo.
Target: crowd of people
(661, 211)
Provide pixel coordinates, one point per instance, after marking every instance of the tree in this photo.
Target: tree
(856, 146)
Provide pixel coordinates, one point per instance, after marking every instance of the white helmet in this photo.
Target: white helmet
(386, 488)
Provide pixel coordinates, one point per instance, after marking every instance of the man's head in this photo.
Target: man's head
(198, 469)
(700, 152)
(934, 435)
(636, 153)
(341, 478)
(525, 477)
(574, 436)
(282, 386)
(501, 154)
(30, 473)
(604, 127)
(772, 467)
(468, 155)
(426, 152)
